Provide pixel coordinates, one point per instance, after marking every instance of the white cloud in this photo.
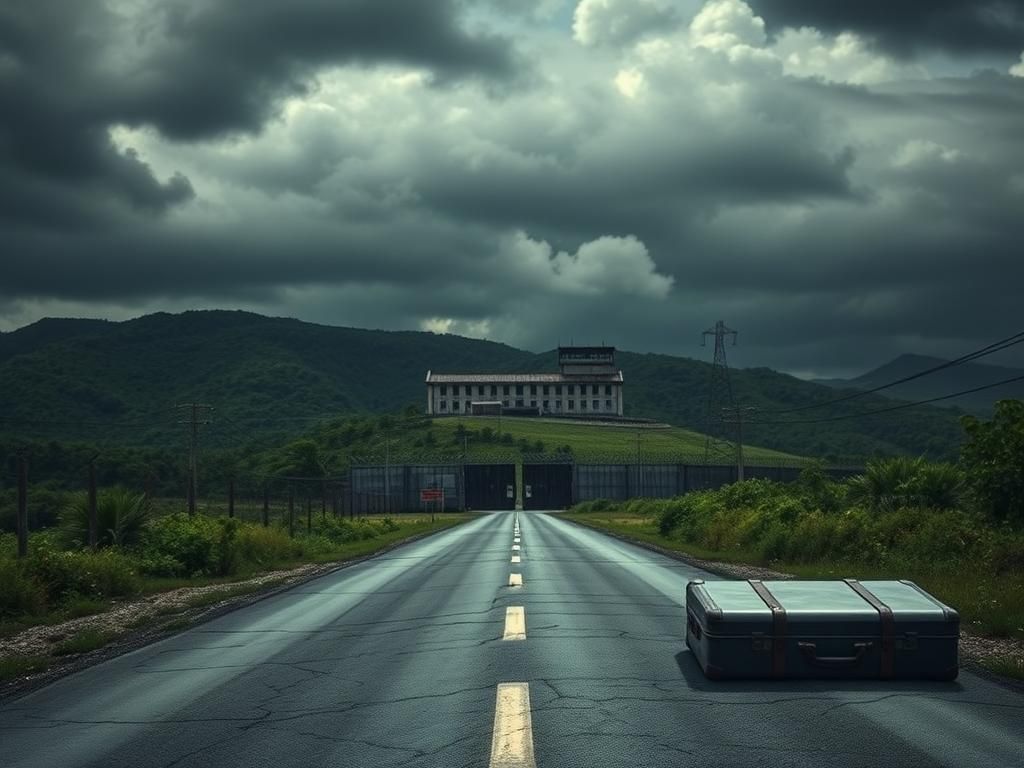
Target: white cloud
(806, 52)
(727, 26)
(607, 266)
(603, 22)
(921, 152)
(629, 82)
(1017, 70)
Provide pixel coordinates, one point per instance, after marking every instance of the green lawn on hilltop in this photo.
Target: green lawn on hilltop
(599, 441)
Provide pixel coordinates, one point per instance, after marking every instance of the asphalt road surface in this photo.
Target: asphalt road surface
(426, 656)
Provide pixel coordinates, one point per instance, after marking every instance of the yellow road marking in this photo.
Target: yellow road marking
(516, 559)
(515, 623)
(512, 744)
(515, 579)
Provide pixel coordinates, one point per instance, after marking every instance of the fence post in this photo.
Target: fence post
(22, 519)
(291, 512)
(231, 497)
(266, 506)
(93, 513)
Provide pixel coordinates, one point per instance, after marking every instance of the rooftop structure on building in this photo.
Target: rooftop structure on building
(587, 384)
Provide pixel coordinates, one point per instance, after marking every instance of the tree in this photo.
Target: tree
(992, 460)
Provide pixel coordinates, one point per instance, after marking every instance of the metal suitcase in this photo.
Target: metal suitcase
(820, 629)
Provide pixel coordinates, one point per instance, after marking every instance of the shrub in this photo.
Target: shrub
(262, 547)
(66, 575)
(189, 541)
(993, 461)
(19, 594)
(1008, 555)
(121, 516)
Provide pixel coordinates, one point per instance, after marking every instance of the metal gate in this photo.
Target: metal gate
(490, 486)
(547, 486)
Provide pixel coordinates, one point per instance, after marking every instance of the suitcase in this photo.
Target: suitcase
(820, 629)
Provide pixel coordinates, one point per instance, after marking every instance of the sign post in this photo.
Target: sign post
(428, 495)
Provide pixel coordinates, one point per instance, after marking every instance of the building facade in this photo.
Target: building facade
(587, 384)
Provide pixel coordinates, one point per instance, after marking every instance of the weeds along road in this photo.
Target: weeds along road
(427, 656)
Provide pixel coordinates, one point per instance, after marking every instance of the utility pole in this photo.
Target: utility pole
(195, 415)
(387, 471)
(639, 467)
(291, 512)
(22, 514)
(93, 513)
(716, 442)
(736, 416)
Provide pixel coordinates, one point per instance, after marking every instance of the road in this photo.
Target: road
(397, 661)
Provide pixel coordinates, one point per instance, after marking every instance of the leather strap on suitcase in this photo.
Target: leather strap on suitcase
(888, 626)
(778, 627)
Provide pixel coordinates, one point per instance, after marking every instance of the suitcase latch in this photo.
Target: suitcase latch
(908, 642)
(760, 643)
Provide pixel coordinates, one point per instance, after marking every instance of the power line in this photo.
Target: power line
(899, 407)
(997, 346)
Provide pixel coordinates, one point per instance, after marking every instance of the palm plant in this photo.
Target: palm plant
(938, 486)
(120, 515)
(885, 484)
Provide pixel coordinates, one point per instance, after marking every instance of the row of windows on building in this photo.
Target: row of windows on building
(547, 405)
(482, 390)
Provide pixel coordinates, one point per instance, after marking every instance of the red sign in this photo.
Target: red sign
(431, 494)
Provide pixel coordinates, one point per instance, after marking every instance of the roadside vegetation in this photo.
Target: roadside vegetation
(956, 529)
(140, 553)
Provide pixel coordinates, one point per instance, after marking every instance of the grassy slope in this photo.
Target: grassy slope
(593, 440)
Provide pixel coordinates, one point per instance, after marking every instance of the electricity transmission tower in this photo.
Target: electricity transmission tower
(717, 441)
(194, 415)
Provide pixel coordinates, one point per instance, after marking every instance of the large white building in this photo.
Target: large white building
(588, 384)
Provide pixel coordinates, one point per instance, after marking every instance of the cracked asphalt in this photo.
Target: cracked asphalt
(395, 662)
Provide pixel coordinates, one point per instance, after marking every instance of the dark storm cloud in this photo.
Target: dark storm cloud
(905, 26)
(191, 69)
(53, 137)
(221, 66)
(833, 224)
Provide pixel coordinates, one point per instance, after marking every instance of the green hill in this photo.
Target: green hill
(272, 378)
(956, 379)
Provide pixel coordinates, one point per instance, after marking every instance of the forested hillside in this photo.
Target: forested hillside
(119, 382)
(954, 379)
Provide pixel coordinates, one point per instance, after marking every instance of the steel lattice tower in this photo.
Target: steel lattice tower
(718, 442)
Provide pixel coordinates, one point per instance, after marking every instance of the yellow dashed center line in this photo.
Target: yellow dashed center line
(512, 744)
(515, 623)
(515, 579)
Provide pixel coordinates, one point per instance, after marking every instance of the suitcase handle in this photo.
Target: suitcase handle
(810, 653)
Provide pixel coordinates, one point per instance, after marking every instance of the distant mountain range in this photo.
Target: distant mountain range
(269, 378)
(941, 383)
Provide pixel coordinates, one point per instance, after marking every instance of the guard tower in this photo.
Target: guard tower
(587, 361)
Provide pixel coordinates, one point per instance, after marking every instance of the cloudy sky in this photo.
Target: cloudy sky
(839, 181)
